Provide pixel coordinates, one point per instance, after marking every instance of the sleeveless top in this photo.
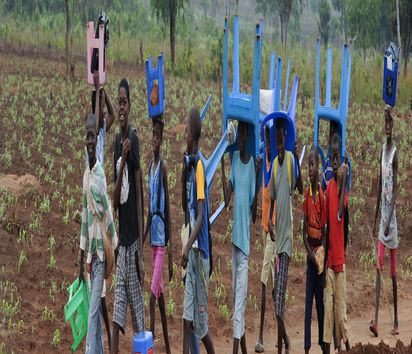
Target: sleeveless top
(157, 228)
(390, 241)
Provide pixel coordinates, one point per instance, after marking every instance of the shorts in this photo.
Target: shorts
(281, 280)
(128, 290)
(268, 266)
(335, 306)
(158, 253)
(392, 252)
(195, 307)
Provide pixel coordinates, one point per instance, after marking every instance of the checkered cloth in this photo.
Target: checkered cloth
(281, 279)
(128, 290)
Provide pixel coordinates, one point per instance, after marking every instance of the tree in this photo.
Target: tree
(364, 18)
(167, 11)
(402, 28)
(324, 21)
(341, 7)
(285, 7)
(69, 6)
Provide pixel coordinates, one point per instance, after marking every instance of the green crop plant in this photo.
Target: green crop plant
(22, 260)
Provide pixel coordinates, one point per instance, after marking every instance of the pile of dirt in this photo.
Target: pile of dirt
(381, 348)
(19, 185)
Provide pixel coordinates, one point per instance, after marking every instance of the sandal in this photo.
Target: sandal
(259, 348)
(373, 327)
(287, 345)
(395, 331)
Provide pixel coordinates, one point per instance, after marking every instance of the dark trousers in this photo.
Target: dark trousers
(314, 288)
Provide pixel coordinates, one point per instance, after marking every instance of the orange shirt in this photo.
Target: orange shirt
(266, 206)
(315, 213)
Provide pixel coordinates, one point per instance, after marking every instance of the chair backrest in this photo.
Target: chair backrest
(95, 43)
(154, 74)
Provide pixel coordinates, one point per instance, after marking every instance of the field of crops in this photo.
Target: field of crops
(42, 134)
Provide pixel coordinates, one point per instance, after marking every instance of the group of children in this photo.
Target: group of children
(325, 213)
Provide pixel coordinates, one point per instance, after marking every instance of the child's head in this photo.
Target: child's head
(267, 141)
(335, 152)
(242, 130)
(101, 106)
(91, 136)
(157, 136)
(193, 130)
(280, 138)
(388, 122)
(123, 99)
(313, 159)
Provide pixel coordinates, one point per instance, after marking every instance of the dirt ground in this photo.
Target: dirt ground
(34, 282)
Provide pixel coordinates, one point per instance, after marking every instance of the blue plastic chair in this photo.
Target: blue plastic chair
(327, 112)
(288, 116)
(155, 74)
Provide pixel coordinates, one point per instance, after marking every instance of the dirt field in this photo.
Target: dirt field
(42, 135)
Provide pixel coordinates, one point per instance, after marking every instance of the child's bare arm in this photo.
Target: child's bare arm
(227, 186)
(270, 221)
(118, 185)
(378, 200)
(183, 180)
(97, 104)
(148, 223)
(195, 233)
(254, 203)
(110, 111)
(140, 222)
(168, 220)
(299, 183)
(305, 237)
(342, 194)
(394, 192)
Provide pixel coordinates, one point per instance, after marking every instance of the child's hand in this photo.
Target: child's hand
(96, 80)
(297, 151)
(185, 257)
(125, 149)
(272, 231)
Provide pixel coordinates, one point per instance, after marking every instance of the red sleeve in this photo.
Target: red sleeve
(327, 203)
(345, 199)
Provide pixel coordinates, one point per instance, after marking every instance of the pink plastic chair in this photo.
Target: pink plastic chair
(95, 43)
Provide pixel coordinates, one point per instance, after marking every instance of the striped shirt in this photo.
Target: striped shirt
(96, 211)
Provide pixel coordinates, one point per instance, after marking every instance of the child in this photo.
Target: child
(335, 287)
(243, 182)
(158, 221)
(128, 200)
(268, 266)
(282, 186)
(96, 207)
(314, 237)
(103, 125)
(327, 174)
(196, 252)
(388, 230)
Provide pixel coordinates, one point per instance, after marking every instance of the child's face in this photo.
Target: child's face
(189, 138)
(157, 140)
(313, 168)
(280, 143)
(335, 158)
(91, 142)
(123, 109)
(388, 126)
(242, 137)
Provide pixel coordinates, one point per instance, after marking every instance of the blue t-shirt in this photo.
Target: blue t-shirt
(243, 179)
(157, 228)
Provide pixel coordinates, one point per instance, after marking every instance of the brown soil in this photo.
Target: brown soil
(34, 281)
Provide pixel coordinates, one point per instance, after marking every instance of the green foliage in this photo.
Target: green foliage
(56, 338)
(324, 21)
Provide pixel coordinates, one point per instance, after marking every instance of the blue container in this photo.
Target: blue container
(390, 74)
(143, 343)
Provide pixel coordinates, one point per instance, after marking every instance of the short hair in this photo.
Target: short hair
(91, 121)
(123, 83)
(94, 99)
(336, 141)
(195, 123)
(315, 152)
(158, 122)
